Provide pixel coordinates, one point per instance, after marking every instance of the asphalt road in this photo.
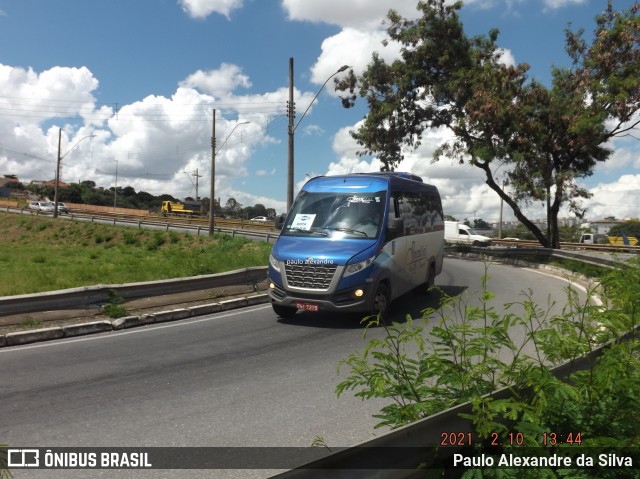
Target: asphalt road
(239, 378)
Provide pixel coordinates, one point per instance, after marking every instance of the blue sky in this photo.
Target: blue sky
(143, 76)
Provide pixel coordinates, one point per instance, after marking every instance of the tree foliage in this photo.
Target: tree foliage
(547, 138)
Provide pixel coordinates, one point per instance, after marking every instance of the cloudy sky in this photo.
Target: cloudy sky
(143, 77)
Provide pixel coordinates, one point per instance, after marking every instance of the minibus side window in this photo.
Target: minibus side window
(394, 213)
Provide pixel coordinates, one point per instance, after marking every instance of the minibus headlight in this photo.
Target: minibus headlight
(274, 263)
(354, 268)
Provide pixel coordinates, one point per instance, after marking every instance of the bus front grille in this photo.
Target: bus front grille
(310, 276)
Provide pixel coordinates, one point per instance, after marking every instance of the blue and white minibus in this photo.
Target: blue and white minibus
(356, 242)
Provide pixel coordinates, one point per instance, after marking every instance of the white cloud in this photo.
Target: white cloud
(353, 48)
(506, 57)
(204, 8)
(355, 13)
(620, 198)
(28, 93)
(556, 4)
(152, 141)
(220, 82)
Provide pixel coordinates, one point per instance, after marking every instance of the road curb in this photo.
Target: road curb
(20, 338)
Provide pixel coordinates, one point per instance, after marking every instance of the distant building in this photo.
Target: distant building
(602, 226)
(51, 183)
(569, 221)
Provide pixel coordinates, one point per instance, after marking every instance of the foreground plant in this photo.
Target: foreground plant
(470, 352)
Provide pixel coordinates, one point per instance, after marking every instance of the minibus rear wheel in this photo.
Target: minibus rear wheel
(284, 311)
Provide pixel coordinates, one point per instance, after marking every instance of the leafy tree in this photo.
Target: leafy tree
(128, 192)
(255, 210)
(232, 207)
(518, 232)
(571, 233)
(481, 224)
(546, 137)
(71, 193)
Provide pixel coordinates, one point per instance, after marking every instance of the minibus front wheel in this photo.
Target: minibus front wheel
(381, 300)
(284, 311)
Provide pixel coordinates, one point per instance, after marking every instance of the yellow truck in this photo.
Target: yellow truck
(623, 240)
(188, 208)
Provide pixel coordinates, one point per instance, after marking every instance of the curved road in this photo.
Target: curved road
(239, 378)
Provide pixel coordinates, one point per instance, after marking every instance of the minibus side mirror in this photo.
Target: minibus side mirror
(279, 222)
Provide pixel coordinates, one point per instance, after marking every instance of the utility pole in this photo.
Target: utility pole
(212, 201)
(291, 112)
(55, 186)
(197, 176)
(58, 161)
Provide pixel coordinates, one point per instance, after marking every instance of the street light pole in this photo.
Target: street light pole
(212, 197)
(57, 178)
(58, 161)
(214, 152)
(292, 128)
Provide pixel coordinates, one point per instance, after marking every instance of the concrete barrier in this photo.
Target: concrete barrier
(126, 322)
(84, 296)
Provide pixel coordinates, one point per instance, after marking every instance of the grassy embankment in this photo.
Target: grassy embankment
(45, 254)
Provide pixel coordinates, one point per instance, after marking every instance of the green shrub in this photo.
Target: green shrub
(114, 310)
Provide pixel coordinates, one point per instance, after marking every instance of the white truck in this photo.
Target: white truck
(457, 232)
(594, 238)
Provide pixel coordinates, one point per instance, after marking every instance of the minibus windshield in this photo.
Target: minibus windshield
(336, 215)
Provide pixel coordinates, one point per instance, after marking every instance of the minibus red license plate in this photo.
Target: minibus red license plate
(308, 306)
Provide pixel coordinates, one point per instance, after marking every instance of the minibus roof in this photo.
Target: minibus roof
(358, 180)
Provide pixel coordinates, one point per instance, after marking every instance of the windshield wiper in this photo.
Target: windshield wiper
(347, 230)
(309, 232)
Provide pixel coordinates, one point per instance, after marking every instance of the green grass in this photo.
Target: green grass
(42, 254)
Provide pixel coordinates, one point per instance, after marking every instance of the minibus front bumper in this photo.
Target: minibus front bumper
(354, 299)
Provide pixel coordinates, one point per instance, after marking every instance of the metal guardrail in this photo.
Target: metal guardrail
(610, 261)
(568, 245)
(75, 297)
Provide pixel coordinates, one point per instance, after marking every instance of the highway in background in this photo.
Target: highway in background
(239, 378)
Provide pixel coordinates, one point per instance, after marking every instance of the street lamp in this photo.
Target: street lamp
(214, 152)
(60, 157)
(292, 128)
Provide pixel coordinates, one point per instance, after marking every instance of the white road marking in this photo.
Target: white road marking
(137, 330)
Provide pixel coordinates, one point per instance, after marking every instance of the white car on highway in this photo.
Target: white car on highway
(41, 206)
